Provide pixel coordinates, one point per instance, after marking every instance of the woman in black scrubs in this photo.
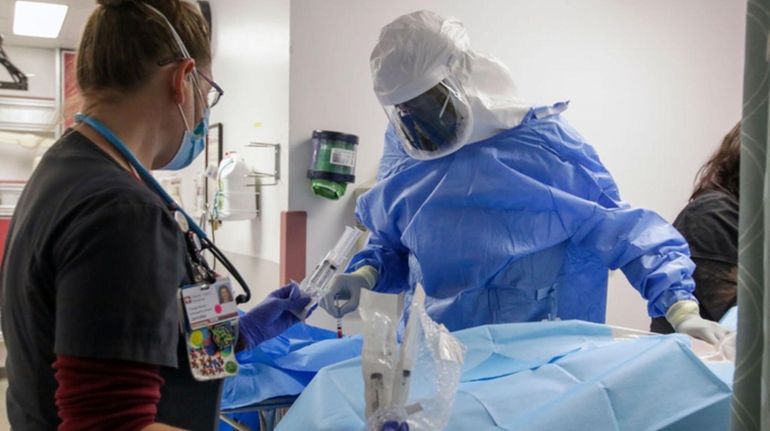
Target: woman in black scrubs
(709, 223)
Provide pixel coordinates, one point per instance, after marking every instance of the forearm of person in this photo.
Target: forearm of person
(392, 266)
(106, 394)
(652, 254)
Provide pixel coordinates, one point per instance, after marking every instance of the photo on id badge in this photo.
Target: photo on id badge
(211, 329)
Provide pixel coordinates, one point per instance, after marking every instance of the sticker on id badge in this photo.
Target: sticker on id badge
(210, 328)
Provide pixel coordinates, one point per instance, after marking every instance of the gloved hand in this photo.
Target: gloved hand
(347, 288)
(273, 315)
(684, 316)
(395, 426)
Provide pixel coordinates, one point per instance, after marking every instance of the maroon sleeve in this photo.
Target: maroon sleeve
(101, 394)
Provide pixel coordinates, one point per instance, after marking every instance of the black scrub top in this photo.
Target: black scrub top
(709, 223)
(92, 266)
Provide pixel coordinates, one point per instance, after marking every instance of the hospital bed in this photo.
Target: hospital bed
(268, 413)
(274, 374)
(541, 375)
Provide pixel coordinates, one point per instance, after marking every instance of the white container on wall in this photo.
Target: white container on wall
(236, 197)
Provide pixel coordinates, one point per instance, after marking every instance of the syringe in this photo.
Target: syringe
(406, 358)
(317, 284)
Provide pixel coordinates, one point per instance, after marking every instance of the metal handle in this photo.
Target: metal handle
(276, 174)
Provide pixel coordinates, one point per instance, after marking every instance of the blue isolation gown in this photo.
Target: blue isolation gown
(520, 227)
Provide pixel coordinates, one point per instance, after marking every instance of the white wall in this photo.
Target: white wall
(251, 64)
(654, 86)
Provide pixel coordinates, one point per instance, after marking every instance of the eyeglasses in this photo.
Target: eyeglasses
(214, 94)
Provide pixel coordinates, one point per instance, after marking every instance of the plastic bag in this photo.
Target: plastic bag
(727, 346)
(415, 383)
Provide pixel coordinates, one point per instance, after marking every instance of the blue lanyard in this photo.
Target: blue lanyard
(144, 174)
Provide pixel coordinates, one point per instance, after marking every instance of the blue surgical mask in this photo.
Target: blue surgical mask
(193, 143)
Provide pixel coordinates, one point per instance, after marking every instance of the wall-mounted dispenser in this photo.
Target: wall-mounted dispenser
(333, 164)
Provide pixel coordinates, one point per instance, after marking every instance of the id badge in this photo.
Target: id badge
(210, 328)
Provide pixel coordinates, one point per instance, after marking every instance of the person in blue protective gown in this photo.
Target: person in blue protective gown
(500, 210)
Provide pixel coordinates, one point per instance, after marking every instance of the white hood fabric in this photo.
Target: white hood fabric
(417, 51)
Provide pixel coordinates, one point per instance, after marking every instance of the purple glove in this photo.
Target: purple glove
(273, 315)
(395, 426)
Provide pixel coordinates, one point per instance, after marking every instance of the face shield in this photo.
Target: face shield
(476, 102)
(436, 123)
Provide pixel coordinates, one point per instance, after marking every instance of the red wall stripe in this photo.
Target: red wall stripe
(293, 245)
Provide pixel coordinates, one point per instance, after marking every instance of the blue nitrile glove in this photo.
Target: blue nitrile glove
(395, 426)
(273, 315)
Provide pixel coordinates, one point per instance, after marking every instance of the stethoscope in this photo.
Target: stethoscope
(194, 232)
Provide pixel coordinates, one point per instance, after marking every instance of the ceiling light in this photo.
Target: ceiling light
(38, 19)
